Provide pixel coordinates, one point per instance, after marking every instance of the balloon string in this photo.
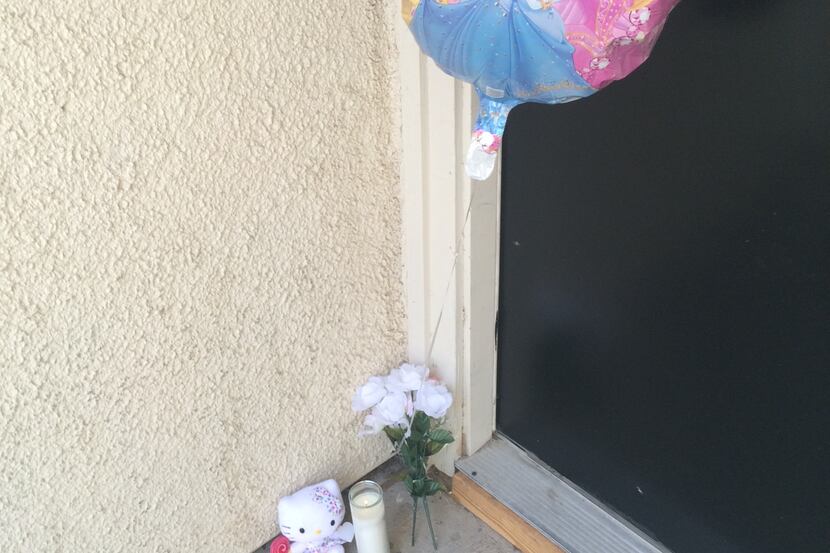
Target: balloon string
(450, 279)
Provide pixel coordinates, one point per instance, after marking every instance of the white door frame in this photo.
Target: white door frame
(450, 246)
(436, 116)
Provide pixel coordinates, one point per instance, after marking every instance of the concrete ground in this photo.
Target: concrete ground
(456, 529)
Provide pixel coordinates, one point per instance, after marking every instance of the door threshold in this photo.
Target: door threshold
(523, 491)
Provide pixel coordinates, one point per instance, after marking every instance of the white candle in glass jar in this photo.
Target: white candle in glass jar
(368, 517)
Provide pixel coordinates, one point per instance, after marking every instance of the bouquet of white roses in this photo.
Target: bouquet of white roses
(409, 408)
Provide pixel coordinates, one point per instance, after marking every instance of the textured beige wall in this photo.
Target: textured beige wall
(200, 259)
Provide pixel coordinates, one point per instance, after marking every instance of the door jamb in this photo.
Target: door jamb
(458, 286)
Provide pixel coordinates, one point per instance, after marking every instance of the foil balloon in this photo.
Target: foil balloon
(545, 51)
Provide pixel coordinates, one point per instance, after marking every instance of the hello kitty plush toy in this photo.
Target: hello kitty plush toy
(312, 519)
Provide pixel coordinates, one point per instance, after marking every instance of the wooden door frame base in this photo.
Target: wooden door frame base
(500, 518)
(523, 499)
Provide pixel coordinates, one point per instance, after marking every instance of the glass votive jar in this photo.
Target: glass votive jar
(369, 517)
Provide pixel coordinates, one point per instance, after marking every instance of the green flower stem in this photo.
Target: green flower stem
(414, 445)
(429, 521)
(414, 517)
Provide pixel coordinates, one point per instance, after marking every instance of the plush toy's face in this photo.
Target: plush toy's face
(313, 513)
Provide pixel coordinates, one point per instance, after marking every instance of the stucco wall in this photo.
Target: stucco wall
(200, 260)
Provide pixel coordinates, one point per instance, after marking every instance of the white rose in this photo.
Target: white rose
(407, 378)
(369, 394)
(392, 409)
(371, 425)
(433, 399)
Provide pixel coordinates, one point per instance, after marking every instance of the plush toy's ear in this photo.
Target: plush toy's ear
(332, 487)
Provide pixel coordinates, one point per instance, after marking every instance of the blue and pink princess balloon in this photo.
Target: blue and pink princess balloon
(545, 51)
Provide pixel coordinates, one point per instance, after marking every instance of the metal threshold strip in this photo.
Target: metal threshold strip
(562, 512)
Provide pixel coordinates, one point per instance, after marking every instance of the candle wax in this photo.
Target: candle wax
(369, 522)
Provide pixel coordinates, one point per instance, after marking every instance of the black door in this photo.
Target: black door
(664, 318)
